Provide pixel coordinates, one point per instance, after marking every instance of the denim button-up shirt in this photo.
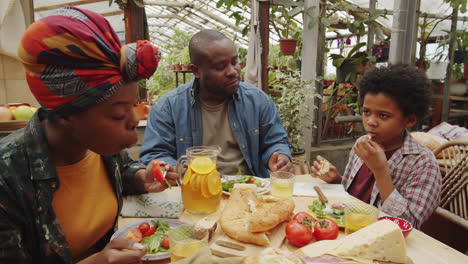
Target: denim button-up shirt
(29, 229)
(175, 124)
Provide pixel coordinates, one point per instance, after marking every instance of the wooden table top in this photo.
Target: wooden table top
(421, 248)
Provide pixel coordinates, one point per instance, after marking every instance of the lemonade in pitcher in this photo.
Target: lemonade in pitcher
(201, 182)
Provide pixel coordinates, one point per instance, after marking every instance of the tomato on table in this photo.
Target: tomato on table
(326, 229)
(305, 219)
(298, 234)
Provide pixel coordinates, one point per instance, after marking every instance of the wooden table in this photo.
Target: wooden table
(421, 248)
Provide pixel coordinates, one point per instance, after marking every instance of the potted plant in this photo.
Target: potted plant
(461, 42)
(381, 50)
(282, 20)
(347, 68)
(291, 105)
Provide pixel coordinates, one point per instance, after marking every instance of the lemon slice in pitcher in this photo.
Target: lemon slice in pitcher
(187, 176)
(202, 165)
(214, 183)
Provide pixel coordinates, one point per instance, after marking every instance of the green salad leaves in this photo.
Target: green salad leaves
(153, 242)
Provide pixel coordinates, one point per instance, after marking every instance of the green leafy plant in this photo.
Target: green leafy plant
(351, 61)
(291, 103)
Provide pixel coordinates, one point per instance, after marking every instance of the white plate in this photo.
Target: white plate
(264, 189)
(158, 256)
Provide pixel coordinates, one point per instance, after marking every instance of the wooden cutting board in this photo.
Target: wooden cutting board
(241, 249)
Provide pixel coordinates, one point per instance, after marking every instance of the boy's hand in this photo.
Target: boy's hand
(152, 185)
(323, 169)
(371, 153)
(279, 162)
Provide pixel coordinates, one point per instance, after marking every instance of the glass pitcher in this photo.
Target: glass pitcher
(201, 181)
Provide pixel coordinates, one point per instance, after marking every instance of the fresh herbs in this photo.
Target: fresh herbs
(229, 184)
(153, 242)
(338, 213)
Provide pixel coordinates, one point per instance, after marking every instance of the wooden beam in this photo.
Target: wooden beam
(75, 3)
(264, 16)
(166, 3)
(115, 13)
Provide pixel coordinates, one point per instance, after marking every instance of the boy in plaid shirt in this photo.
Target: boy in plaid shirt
(387, 167)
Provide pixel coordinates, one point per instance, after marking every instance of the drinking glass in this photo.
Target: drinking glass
(282, 184)
(184, 241)
(359, 215)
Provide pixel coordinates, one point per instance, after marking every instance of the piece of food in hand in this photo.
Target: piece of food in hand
(299, 234)
(247, 217)
(273, 256)
(381, 241)
(157, 172)
(325, 167)
(326, 229)
(134, 235)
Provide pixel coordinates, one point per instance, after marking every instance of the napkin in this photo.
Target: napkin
(330, 190)
(166, 204)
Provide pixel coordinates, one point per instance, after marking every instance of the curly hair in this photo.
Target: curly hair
(407, 85)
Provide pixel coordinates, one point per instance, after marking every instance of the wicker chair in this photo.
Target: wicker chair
(453, 159)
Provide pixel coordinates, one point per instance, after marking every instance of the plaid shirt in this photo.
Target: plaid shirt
(29, 229)
(416, 178)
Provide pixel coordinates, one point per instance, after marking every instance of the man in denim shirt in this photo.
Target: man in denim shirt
(217, 109)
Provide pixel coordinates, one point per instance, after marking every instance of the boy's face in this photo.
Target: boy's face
(384, 121)
(110, 126)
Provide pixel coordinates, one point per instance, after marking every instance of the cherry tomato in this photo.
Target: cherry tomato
(157, 173)
(298, 234)
(134, 235)
(305, 219)
(326, 229)
(252, 180)
(150, 231)
(144, 227)
(165, 242)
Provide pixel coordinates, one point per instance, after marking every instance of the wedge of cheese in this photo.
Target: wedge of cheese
(382, 241)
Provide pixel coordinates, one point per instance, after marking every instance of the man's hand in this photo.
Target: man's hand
(152, 185)
(323, 169)
(279, 162)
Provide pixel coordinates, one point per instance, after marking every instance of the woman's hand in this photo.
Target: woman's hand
(118, 251)
(323, 169)
(152, 185)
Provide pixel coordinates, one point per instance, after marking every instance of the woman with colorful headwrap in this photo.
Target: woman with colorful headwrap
(63, 176)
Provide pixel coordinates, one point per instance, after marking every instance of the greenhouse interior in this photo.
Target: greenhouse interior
(260, 131)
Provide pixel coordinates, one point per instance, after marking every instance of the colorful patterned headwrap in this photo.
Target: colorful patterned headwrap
(73, 60)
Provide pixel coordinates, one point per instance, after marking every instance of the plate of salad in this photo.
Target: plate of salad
(152, 233)
(228, 181)
(316, 209)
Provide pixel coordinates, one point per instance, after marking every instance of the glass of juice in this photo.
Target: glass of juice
(359, 215)
(282, 184)
(184, 242)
